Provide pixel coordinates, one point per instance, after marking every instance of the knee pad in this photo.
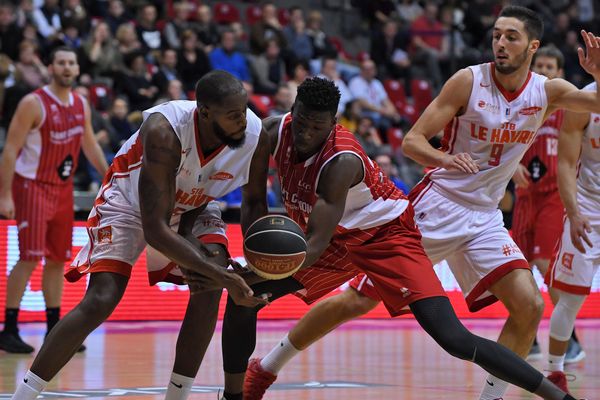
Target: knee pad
(564, 314)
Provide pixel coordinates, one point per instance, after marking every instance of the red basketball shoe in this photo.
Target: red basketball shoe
(559, 379)
(257, 380)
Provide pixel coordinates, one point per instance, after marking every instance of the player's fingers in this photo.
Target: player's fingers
(586, 39)
(581, 55)
(585, 237)
(576, 240)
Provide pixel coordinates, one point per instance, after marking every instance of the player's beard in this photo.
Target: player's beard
(510, 68)
(64, 82)
(228, 140)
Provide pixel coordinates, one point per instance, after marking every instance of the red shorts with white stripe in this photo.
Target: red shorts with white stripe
(44, 214)
(537, 223)
(392, 258)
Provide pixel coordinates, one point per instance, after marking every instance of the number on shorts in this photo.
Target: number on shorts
(496, 154)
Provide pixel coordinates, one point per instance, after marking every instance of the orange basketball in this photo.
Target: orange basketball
(274, 247)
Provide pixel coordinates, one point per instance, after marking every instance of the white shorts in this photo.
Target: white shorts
(475, 243)
(570, 270)
(117, 240)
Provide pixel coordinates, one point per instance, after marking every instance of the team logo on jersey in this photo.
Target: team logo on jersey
(596, 120)
(305, 185)
(530, 110)
(221, 176)
(567, 260)
(105, 234)
(493, 108)
(595, 143)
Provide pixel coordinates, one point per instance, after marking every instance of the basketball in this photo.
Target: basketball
(274, 247)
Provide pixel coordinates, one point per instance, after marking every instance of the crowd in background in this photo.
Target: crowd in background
(135, 54)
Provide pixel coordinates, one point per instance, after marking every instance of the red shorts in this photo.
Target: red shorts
(537, 223)
(393, 259)
(44, 214)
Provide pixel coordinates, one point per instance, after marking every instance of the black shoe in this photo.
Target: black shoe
(11, 342)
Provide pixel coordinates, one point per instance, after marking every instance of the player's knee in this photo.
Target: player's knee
(356, 304)
(529, 312)
(98, 304)
(457, 343)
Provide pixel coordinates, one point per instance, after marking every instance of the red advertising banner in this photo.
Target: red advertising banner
(168, 302)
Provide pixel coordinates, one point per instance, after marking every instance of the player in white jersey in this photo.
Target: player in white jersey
(577, 256)
(489, 127)
(158, 192)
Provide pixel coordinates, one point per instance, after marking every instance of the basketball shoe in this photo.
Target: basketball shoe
(11, 342)
(257, 380)
(574, 352)
(559, 379)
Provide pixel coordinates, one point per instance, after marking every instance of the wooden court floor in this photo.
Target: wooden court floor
(366, 359)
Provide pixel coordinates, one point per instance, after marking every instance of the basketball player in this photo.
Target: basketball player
(538, 213)
(356, 220)
(488, 129)
(48, 129)
(158, 192)
(578, 254)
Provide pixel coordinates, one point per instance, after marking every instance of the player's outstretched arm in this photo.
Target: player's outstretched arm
(27, 116)
(451, 101)
(254, 193)
(337, 177)
(564, 95)
(569, 148)
(162, 154)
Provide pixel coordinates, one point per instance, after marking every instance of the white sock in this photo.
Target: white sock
(179, 387)
(30, 388)
(556, 363)
(494, 388)
(279, 356)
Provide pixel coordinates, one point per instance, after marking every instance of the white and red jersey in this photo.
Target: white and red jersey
(541, 160)
(199, 179)
(372, 202)
(588, 181)
(496, 129)
(51, 150)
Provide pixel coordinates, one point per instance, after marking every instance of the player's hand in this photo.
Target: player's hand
(590, 58)
(460, 162)
(580, 227)
(521, 177)
(241, 293)
(199, 283)
(7, 206)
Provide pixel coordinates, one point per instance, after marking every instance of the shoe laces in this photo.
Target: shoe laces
(568, 376)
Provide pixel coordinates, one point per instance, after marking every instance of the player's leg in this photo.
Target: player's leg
(102, 296)
(239, 334)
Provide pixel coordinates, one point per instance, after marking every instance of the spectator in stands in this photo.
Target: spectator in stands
(329, 70)
(206, 28)
(391, 171)
(69, 36)
(427, 36)
(136, 83)
(33, 73)
(47, 19)
(167, 70)
(226, 58)
(376, 12)
(408, 10)
(479, 19)
(117, 15)
(283, 101)
(351, 115)
(76, 15)
(148, 33)
(373, 98)
(175, 27)
(101, 52)
(10, 34)
(127, 42)
(299, 71)
(298, 41)
(268, 27)
(557, 32)
(119, 120)
(322, 46)
(368, 137)
(268, 69)
(192, 62)
(173, 91)
(389, 50)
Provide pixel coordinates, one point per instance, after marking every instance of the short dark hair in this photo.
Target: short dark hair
(534, 26)
(213, 87)
(551, 51)
(52, 55)
(318, 94)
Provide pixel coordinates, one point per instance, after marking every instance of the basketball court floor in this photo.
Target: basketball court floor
(365, 359)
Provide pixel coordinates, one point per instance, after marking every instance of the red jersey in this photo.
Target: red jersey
(541, 160)
(51, 150)
(372, 202)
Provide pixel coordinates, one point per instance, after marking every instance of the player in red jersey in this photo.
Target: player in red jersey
(538, 212)
(355, 220)
(46, 133)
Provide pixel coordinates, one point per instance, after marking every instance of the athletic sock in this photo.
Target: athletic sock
(494, 388)
(30, 388)
(52, 317)
(179, 387)
(283, 352)
(556, 363)
(11, 316)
